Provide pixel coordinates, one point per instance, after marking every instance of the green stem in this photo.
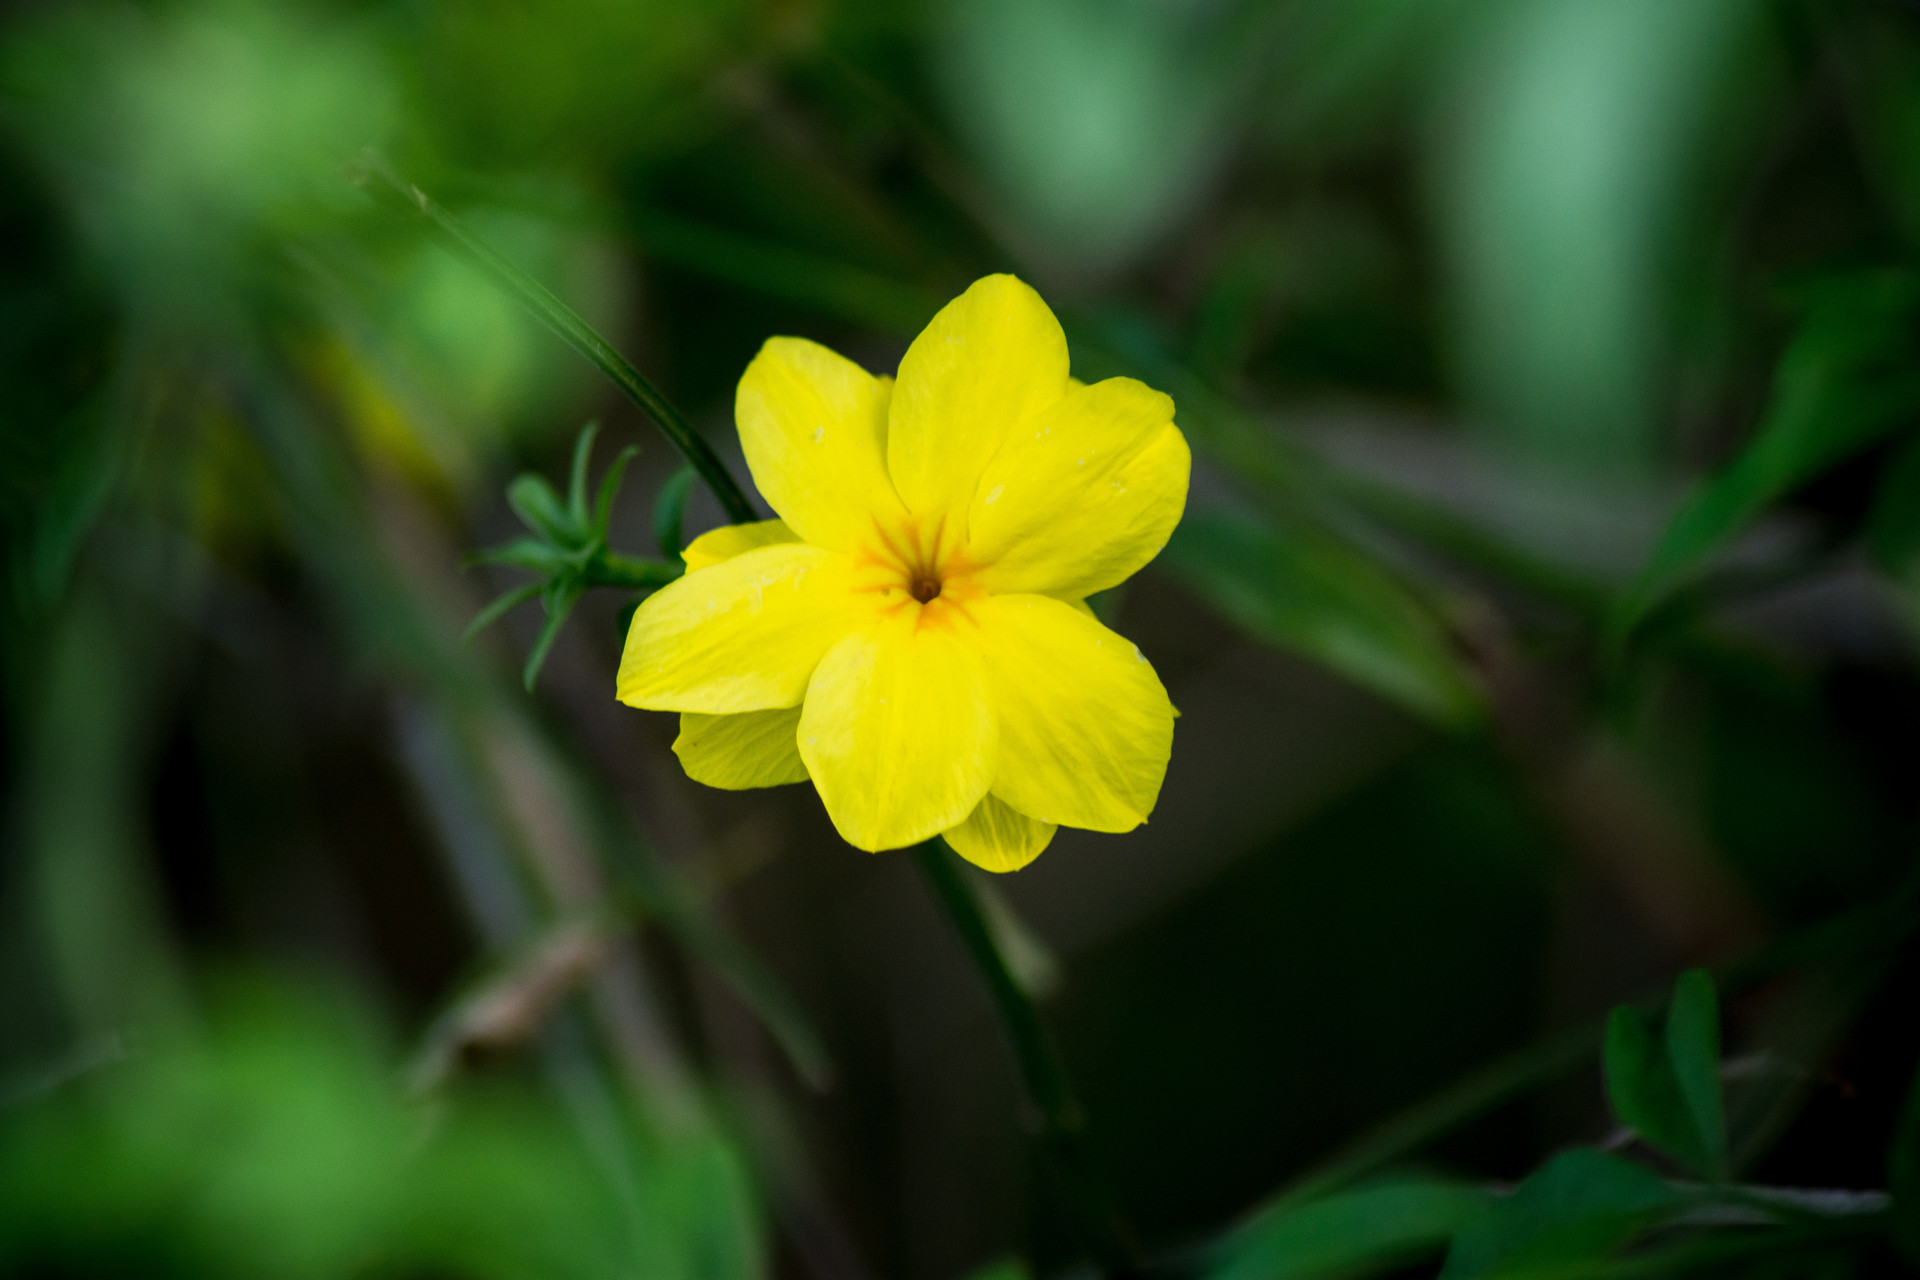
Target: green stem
(576, 333)
(1063, 1123)
(610, 569)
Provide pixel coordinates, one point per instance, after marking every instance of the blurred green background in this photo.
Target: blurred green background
(1544, 622)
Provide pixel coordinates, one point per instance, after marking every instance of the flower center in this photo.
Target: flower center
(925, 586)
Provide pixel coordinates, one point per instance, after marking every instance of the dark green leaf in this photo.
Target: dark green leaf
(1666, 1087)
(1850, 376)
(540, 509)
(1367, 1229)
(1642, 1088)
(1693, 1049)
(1581, 1205)
(669, 512)
(1301, 588)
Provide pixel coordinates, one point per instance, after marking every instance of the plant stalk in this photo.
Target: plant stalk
(1063, 1123)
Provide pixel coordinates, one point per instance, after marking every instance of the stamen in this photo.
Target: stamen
(925, 588)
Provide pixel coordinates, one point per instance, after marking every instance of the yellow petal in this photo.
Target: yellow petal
(898, 732)
(1085, 726)
(997, 837)
(752, 749)
(990, 361)
(1083, 496)
(814, 428)
(742, 635)
(730, 540)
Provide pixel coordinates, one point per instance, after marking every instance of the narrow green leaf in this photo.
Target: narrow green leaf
(1302, 589)
(1581, 1205)
(560, 599)
(1369, 1229)
(577, 477)
(498, 609)
(540, 509)
(1644, 1091)
(1850, 376)
(1693, 1050)
(571, 329)
(610, 489)
(1641, 1087)
(669, 512)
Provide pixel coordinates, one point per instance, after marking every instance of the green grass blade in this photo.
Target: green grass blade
(576, 333)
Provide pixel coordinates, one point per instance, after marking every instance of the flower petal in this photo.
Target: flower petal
(992, 359)
(898, 732)
(1085, 726)
(752, 749)
(742, 635)
(997, 837)
(730, 540)
(814, 428)
(1083, 496)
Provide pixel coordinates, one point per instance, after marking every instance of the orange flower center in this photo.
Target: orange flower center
(918, 564)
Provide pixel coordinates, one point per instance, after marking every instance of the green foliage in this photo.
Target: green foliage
(278, 1145)
(1579, 1205)
(1371, 1229)
(568, 548)
(1666, 1086)
(1304, 589)
(255, 386)
(1849, 377)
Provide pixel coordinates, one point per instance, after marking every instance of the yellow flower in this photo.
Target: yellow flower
(912, 633)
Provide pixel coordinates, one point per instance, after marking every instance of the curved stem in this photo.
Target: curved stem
(576, 333)
(1063, 1132)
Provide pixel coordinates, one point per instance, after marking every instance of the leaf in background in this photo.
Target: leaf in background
(278, 1145)
(1369, 1229)
(1580, 1205)
(1666, 1088)
(1575, 139)
(1849, 377)
(1302, 589)
(1098, 121)
(1693, 1050)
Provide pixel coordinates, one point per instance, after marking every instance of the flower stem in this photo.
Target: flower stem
(1063, 1132)
(575, 332)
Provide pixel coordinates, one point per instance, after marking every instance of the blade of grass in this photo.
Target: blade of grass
(571, 329)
